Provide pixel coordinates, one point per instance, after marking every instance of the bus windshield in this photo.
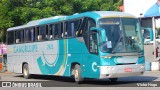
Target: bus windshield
(123, 35)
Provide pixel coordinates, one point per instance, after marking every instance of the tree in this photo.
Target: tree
(18, 12)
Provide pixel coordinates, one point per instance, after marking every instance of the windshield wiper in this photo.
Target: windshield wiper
(114, 49)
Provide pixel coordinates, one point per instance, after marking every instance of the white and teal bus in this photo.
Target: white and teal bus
(100, 44)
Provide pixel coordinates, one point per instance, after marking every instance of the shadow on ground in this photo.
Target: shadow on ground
(57, 81)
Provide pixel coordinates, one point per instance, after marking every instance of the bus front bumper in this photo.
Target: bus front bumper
(121, 71)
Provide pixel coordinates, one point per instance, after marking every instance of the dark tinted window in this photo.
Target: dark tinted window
(30, 35)
(93, 46)
(19, 36)
(42, 33)
(51, 31)
(10, 38)
(71, 29)
(87, 23)
(58, 30)
(90, 23)
(27, 35)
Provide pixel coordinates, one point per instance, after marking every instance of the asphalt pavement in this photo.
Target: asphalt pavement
(57, 81)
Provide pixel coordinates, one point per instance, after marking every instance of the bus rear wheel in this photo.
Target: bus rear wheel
(26, 71)
(77, 74)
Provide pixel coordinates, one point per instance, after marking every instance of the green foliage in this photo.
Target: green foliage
(18, 12)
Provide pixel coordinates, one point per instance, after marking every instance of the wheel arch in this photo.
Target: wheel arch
(23, 65)
(72, 67)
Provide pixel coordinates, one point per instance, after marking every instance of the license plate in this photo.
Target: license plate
(128, 69)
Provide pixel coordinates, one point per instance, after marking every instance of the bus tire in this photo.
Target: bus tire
(113, 79)
(26, 74)
(77, 74)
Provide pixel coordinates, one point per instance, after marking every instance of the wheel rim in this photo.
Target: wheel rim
(76, 74)
(25, 71)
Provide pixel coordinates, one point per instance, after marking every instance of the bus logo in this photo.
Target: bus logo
(94, 68)
(6, 84)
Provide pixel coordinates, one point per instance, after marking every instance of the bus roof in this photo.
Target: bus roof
(95, 15)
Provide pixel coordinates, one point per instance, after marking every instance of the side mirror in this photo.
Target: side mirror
(102, 33)
(150, 32)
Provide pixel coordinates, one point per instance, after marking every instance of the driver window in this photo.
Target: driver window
(93, 43)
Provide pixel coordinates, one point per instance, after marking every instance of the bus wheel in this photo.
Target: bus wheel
(113, 79)
(77, 74)
(26, 71)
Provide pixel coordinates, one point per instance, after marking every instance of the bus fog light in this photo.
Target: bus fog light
(142, 66)
(109, 68)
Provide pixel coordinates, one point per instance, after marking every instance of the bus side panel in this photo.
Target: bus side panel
(10, 59)
(75, 51)
(16, 57)
(91, 63)
(10, 66)
(52, 57)
(78, 53)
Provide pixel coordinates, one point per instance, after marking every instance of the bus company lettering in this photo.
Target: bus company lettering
(25, 48)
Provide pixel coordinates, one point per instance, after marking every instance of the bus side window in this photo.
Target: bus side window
(27, 35)
(47, 32)
(82, 28)
(37, 33)
(17, 36)
(72, 28)
(67, 27)
(22, 36)
(77, 24)
(32, 34)
(61, 33)
(90, 23)
(10, 38)
(51, 31)
(42, 33)
(85, 28)
(93, 46)
(58, 31)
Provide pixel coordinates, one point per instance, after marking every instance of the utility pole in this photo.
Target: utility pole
(154, 37)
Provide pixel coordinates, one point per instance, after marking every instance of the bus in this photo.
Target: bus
(98, 44)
